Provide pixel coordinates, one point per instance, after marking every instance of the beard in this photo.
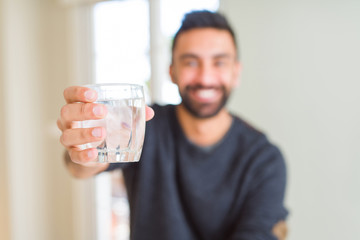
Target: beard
(203, 110)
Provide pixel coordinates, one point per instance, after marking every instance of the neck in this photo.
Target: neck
(204, 131)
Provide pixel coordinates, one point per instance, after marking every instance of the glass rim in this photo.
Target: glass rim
(113, 84)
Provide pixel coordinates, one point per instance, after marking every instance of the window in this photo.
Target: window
(121, 35)
(171, 14)
(121, 41)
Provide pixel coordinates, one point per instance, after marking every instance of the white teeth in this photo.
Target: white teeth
(206, 93)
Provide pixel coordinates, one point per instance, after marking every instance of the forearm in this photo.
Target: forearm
(82, 171)
(280, 230)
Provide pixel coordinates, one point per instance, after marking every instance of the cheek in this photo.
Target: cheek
(185, 77)
(228, 79)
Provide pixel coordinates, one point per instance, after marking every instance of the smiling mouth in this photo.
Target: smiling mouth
(206, 93)
(204, 101)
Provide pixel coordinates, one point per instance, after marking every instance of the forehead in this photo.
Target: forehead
(205, 42)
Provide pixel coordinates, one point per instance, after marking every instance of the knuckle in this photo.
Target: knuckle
(85, 133)
(73, 156)
(84, 108)
(83, 156)
(59, 125)
(79, 92)
(79, 157)
(64, 138)
(64, 112)
(61, 139)
(65, 92)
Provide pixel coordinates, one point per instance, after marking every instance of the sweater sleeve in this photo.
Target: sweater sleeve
(263, 206)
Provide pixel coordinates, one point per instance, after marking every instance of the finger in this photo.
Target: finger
(81, 111)
(83, 157)
(149, 113)
(59, 125)
(79, 94)
(79, 136)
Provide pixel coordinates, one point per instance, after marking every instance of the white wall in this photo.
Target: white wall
(36, 191)
(4, 201)
(45, 46)
(300, 85)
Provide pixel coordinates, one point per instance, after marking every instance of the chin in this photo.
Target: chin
(203, 111)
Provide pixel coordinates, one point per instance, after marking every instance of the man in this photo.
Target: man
(204, 173)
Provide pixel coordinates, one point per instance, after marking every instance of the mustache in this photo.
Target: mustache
(199, 86)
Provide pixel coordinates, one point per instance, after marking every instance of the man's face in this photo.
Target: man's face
(205, 69)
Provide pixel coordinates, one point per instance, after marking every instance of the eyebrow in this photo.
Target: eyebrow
(188, 55)
(191, 55)
(223, 55)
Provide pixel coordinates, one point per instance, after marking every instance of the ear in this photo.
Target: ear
(171, 73)
(237, 74)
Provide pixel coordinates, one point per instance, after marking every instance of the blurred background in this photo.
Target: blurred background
(300, 85)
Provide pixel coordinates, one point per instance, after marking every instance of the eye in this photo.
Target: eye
(191, 63)
(220, 63)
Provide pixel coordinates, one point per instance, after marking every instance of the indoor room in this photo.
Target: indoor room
(298, 84)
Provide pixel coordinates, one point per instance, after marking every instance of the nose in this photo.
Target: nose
(206, 75)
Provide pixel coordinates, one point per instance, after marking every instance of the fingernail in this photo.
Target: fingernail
(90, 154)
(96, 132)
(98, 111)
(89, 95)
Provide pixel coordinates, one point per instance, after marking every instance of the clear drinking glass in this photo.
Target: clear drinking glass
(124, 122)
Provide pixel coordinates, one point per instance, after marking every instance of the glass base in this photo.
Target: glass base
(118, 156)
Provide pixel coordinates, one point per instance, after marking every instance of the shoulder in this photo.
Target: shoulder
(162, 120)
(162, 112)
(261, 153)
(250, 137)
(161, 109)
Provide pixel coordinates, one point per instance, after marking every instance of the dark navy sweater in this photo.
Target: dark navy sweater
(180, 191)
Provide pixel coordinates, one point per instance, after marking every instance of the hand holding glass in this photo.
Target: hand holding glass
(124, 122)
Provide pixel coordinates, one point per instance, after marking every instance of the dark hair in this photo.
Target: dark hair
(203, 19)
